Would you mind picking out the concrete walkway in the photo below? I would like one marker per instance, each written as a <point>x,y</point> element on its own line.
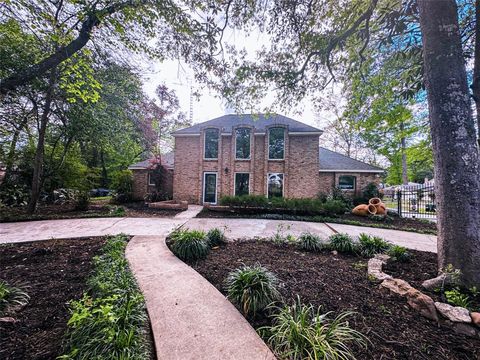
<point>190,318</point>
<point>234,229</point>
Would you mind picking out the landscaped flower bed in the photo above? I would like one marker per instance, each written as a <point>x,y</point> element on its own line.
<point>110,316</point>
<point>338,282</point>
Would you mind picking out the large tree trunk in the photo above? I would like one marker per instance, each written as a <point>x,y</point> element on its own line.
<point>456,158</point>
<point>476,67</point>
<point>39,154</point>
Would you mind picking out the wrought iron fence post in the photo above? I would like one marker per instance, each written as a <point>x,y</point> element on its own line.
<point>399,202</point>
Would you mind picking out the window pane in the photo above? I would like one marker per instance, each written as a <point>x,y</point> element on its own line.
<point>242,181</point>
<point>211,143</point>
<point>275,185</point>
<point>346,182</point>
<point>242,145</point>
<point>276,143</point>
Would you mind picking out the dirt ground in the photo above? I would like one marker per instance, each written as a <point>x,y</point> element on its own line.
<point>52,272</point>
<point>339,283</point>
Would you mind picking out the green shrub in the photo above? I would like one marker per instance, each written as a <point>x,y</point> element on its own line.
<point>311,242</point>
<point>457,298</point>
<point>82,201</point>
<point>216,237</point>
<point>399,253</point>
<point>190,245</point>
<point>334,207</point>
<point>341,195</point>
<point>110,320</point>
<point>123,185</point>
<point>371,191</point>
<point>244,201</point>
<point>369,245</point>
<point>11,296</point>
<point>341,243</point>
<point>14,195</point>
<point>252,288</point>
<point>302,332</point>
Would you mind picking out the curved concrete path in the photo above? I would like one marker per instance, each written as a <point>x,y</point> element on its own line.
<point>190,318</point>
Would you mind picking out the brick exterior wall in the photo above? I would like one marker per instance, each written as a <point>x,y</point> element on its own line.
<point>141,186</point>
<point>329,179</point>
<point>300,167</point>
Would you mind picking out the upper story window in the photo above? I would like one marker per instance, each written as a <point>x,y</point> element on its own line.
<point>211,144</point>
<point>346,182</point>
<point>276,143</point>
<point>242,143</point>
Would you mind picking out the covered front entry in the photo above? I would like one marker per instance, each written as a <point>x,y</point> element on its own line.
<point>210,187</point>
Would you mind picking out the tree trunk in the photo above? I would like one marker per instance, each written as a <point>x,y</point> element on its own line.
<point>476,67</point>
<point>38,162</point>
<point>456,158</point>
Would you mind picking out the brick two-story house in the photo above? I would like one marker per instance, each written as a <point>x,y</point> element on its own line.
<point>269,155</point>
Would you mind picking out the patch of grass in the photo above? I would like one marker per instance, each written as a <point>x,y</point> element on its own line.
<point>369,245</point>
<point>300,331</point>
<point>252,288</point>
<point>341,242</point>
<point>11,297</point>
<point>110,320</point>
<point>216,237</point>
<point>189,245</point>
<point>311,242</point>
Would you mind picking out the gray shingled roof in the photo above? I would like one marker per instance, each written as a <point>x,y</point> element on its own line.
<point>333,161</point>
<point>258,121</point>
<point>167,160</point>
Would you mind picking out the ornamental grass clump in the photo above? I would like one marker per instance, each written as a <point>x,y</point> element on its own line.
<point>252,288</point>
<point>11,297</point>
<point>300,331</point>
<point>311,242</point>
<point>190,245</point>
<point>341,242</point>
<point>216,237</point>
<point>369,245</point>
<point>399,253</point>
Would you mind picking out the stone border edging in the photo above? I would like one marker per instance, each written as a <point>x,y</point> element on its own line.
<point>461,320</point>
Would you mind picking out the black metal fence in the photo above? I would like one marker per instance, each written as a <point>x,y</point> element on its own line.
<point>417,201</point>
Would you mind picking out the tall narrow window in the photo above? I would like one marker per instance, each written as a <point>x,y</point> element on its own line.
<point>211,144</point>
<point>275,185</point>
<point>346,182</point>
<point>242,143</point>
<point>242,184</point>
<point>276,143</point>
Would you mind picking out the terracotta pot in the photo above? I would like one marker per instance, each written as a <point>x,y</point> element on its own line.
<point>381,208</point>
<point>364,210</point>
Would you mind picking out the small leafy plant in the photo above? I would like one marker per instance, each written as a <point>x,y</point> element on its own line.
<point>190,245</point>
<point>399,253</point>
<point>311,242</point>
<point>300,331</point>
<point>369,245</point>
<point>11,296</point>
<point>341,243</point>
<point>457,298</point>
<point>280,238</point>
<point>252,288</point>
<point>216,237</point>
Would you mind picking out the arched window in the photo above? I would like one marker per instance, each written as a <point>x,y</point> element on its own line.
<point>276,143</point>
<point>211,144</point>
<point>242,143</point>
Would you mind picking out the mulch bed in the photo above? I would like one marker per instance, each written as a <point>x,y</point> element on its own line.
<point>68,211</point>
<point>424,268</point>
<point>395,222</point>
<point>52,272</point>
<point>339,283</point>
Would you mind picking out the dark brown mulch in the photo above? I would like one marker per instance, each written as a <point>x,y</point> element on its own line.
<point>339,283</point>
<point>424,267</point>
<point>393,222</point>
<point>96,209</point>
<point>52,272</point>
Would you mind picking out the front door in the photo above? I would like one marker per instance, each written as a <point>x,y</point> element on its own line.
<point>210,188</point>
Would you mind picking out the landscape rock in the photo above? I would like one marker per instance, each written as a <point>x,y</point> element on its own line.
<point>438,282</point>
<point>8,319</point>
<point>454,313</point>
<point>383,257</point>
<point>465,329</point>
<point>422,303</point>
<point>397,286</point>
<point>375,269</point>
<point>475,318</point>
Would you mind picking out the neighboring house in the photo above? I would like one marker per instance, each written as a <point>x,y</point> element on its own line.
<point>269,155</point>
